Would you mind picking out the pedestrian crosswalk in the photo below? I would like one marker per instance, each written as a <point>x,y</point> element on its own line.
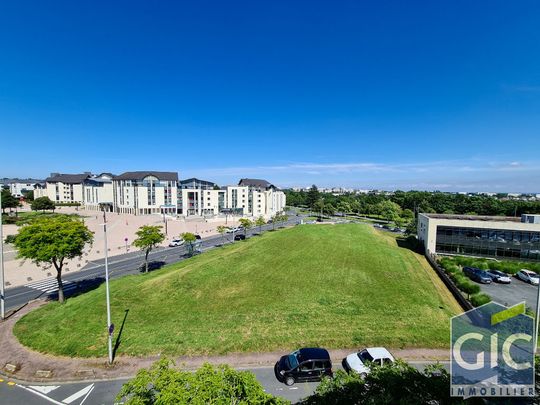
<point>50,285</point>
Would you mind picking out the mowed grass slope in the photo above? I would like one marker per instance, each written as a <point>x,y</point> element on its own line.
<point>314,285</point>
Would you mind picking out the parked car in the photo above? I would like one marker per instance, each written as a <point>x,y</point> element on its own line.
<point>240,236</point>
<point>197,236</point>
<point>362,361</point>
<point>307,364</point>
<point>528,276</point>
<point>478,275</point>
<point>176,242</point>
<point>499,276</point>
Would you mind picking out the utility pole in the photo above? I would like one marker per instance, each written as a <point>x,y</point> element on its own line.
<point>2,285</point>
<point>110,326</point>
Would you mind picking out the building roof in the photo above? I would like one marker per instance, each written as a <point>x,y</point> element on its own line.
<point>473,217</point>
<point>196,180</point>
<point>140,175</point>
<point>67,178</point>
<point>258,183</point>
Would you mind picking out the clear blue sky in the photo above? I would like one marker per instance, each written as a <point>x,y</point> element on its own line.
<point>403,94</point>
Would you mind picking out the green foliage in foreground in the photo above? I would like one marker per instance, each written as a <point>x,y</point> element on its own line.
<point>393,384</point>
<point>311,285</point>
<point>163,384</point>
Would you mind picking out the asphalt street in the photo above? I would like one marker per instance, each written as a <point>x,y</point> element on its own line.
<point>93,274</point>
<point>104,392</point>
<point>510,294</point>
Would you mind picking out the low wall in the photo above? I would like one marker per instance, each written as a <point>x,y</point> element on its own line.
<point>466,305</point>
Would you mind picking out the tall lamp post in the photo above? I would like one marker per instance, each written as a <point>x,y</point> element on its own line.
<point>2,286</point>
<point>110,326</point>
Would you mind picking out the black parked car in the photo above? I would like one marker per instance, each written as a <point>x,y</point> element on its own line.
<point>308,364</point>
<point>239,237</point>
<point>478,275</point>
<point>197,236</point>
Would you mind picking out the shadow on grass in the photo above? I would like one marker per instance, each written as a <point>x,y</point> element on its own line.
<point>81,287</point>
<point>118,338</point>
<point>153,265</point>
<point>410,243</point>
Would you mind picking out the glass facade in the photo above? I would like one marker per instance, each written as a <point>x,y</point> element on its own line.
<point>498,243</point>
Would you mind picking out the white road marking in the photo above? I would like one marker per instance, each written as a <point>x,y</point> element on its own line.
<point>89,392</point>
<point>44,389</point>
<point>39,394</point>
<point>78,394</point>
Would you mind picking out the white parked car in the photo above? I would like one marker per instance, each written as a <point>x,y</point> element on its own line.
<point>528,276</point>
<point>176,242</point>
<point>360,362</point>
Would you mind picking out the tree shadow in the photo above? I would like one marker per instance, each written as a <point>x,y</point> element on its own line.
<point>118,338</point>
<point>153,265</point>
<point>73,289</point>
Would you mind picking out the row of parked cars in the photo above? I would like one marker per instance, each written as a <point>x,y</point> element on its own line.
<point>489,276</point>
<point>312,364</point>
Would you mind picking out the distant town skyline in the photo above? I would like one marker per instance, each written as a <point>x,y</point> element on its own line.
<point>432,96</point>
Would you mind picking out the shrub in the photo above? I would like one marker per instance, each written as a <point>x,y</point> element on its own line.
<point>479,299</point>
<point>217,385</point>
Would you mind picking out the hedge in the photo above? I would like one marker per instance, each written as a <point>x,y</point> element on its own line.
<point>479,299</point>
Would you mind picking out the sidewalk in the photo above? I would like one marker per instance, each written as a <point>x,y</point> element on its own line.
<point>32,366</point>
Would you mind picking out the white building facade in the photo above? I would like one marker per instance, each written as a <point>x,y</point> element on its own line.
<point>143,193</point>
<point>494,237</point>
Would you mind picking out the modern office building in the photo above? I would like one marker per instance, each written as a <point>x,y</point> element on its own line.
<point>494,237</point>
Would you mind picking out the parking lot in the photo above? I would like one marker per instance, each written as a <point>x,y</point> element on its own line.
<point>513,293</point>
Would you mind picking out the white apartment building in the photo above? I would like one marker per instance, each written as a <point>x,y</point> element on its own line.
<point>18,187</point>
<point>145,192</point>
<point>151,192</point>
<point>251,197</point>
<point>64,188</point>
<point>98,192</point>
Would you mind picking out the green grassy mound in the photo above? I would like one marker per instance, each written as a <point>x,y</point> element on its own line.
<point>313,285</point>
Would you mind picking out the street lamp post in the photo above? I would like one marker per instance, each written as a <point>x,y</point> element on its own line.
<point>110,326</point>
<point>2,287</point>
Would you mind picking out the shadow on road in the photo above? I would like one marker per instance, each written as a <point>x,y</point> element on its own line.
<point>153,265</point>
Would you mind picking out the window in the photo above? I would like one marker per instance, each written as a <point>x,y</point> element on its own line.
<point>307,366</point>
<point>319,365</point>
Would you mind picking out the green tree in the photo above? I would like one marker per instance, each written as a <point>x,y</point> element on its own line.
<point>8,201</point>
<point>319,206</point>
<point>28,195</point>
<point>165,384</point>
<point>42,204</point>
<point>246,223</point>
<point>222,230</point>
<point>190,239</point>
<point>53,240</point>
<point>389,210</point>
<point>148,237</point>
<point>399,383</point>
<point>260,222</point>
<point>312,196</point>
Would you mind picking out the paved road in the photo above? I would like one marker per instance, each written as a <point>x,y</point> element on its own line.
<point>92,275</point>
<point>104,392</point>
